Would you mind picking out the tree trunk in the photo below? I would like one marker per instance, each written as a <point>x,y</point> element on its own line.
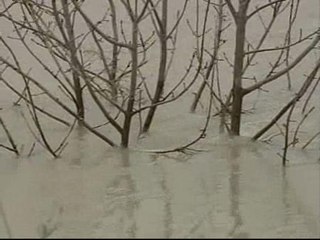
<point>237,93</point>
<point>114,63</point>
<point>162,67</point>
<point>134,57</point>
<point>79,96</point>
<point>74,61</point>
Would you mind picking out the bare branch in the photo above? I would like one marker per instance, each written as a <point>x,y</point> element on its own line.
<point>285,70</point>
<point>310,140</point>
<point>281,48</point>
<point>301,92</point>
<point>231,8</point>
<point>264,6</point>
<point>56,100</point>
<point>13,145</point>
<point>95,28</point>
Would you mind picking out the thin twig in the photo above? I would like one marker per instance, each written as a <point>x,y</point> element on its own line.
<point>311,139</point>
<point>13,144</point>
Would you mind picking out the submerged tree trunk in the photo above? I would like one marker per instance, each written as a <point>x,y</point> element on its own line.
<point>79,97</point>
<point>134,58</point>
<point>237,93</point>
<point>162,66</point>
<point>73,52</point>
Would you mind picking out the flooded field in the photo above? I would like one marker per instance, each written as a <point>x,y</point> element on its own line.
<point>225,188</point>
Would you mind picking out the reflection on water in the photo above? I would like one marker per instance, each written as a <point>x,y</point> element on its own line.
<point>234,191</point>
<point>120,202</point>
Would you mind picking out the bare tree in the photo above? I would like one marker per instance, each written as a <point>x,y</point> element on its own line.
<point>52,26</point>
<point>241,17</point>
<point>115,79</point>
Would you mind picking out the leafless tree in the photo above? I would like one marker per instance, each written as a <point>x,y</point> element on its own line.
<point>113,78</point>
<point>241,18</point>
<point>54,27</point>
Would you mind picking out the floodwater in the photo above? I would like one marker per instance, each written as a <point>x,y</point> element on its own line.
<point>232,188</point>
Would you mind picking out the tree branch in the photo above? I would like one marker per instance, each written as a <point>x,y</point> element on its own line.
<point>231,8</point>
<point>285,70</point>
<point>262,7</point>
<point>95,28</point>
<point>301,92</point>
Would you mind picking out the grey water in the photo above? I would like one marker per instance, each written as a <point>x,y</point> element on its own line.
<point>232,188</point>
